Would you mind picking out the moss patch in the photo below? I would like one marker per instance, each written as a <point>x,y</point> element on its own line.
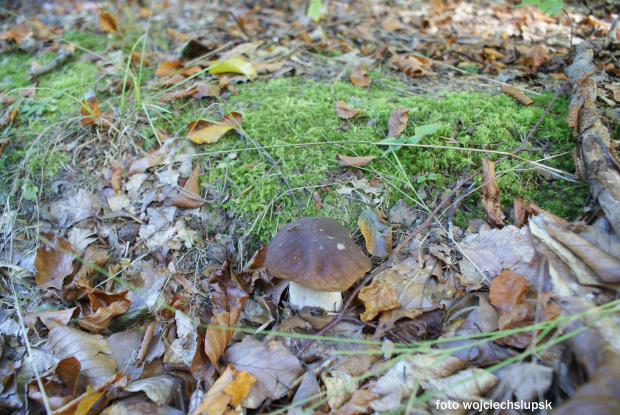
<point>284,114</point>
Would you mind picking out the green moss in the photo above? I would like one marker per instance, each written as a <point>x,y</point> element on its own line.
<point>287,116</point>
<point>13,66</point>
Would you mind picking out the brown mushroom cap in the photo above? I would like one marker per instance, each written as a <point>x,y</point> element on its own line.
<point>317,253</point>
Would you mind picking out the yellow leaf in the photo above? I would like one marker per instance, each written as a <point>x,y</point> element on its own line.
<point>234,65</point>
<point>202,131</point>
<point>108,22</point>
<point>209,134</point>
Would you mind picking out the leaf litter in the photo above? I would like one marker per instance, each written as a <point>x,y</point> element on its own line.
<point>136,313</point>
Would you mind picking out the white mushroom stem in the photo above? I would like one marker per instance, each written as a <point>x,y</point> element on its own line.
<point>301,297</point>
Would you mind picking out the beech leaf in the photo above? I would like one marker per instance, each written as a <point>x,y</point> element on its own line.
<point>377,233</point>
<point>398,121</point>
<point>343,110</point>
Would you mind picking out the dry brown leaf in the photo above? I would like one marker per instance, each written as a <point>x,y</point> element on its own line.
<point>190,195</point>
<point>273,366</point>
<point>490,194</point>
<point>399,117</point>
<point>535,57</point>
<point>413,66</point>
<point>203,131</point>
<point>59,384</point>
<point>108,22</point>
<point>492,54</point>
<point>90,111</point>
<point>114,176</point>
<point>359,76</point>
<point>104,306</point>
<point>51,318</point>
<point>343,110</point>
<point>196,90</point>
<point>507,294</point>
<point>513,92</point>
<point>228,301</point>
<point>7,117</point>
<point>560,76</point>
<point>54,261</point>
<point>377,233</point>
<point>520,212</point>
<point>229,390</point>
<point>353,161</point>
<point>508,290</point>
<point>377,297</point>
<point>91,350</point>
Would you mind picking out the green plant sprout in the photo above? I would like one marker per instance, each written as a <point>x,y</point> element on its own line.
<point>420,132</point>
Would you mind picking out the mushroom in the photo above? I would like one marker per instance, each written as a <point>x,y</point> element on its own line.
<point>319,258</point>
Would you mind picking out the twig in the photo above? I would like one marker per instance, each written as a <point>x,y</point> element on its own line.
<point>340,316</point>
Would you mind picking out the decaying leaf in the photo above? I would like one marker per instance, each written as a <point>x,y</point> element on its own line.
<point>377,233</point>
<point>51,318</point>
<point>274,367</point>
<point>59,384</point>
<point>343,110</point>
<point>513,92</point>
<point>190,195</point>
<point>54,261</point>
<point>108,22</point>
<point>413,66</point>
<point>229,390</point>
<point>168,68</point>
<point>90,111</point>
<point>234,65</point>
<point>91,350</point>
<point>203,131</point>
<point>403,378</point>
<point>535,57</point>
<point>353,161</point>
<point>490,194</point>
<point>228,301</point>
<point>508,295</point>
<point>397,121</point>
<point>192,89</point>
<point>104,306</point>
<point>377,297</point>
<point>359,76</point>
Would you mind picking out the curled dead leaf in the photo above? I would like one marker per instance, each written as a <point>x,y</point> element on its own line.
<point>377,297</point>
<point>104,306</point>
<point>54,261</point>
<point>399,117</point>
<point>491,195</point>
<point>108,22</point>
<point>413,66</point>
<point>343,110</point>
<point>508,295</point>
<point>353,161</point>
<point>513,92</point>
<point>203,131</point>
<point>89,110</point>
<point>190,195</point>
<point>377,233</point>
<point>59,384</point>
<point>359,76</point>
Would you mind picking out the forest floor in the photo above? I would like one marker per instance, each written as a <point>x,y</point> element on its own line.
<point>150,152</point>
